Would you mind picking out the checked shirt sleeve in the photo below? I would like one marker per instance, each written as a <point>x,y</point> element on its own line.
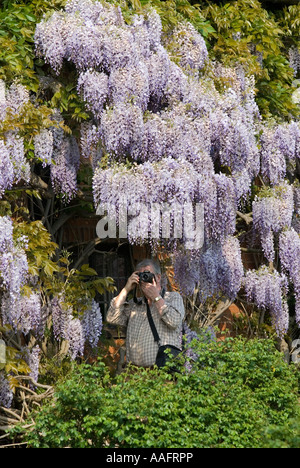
<point>173,311</point>
<point>118,315</point>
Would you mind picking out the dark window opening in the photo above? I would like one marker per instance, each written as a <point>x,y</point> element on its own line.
<point>115,265</point>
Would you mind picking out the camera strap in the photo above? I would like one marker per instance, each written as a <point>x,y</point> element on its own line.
<point>151,321</point>
<point>152,325</point>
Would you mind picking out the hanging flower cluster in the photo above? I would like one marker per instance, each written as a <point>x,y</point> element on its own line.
<point>294,57</point>
<point>77,331</point>
<point>89,141</point>
<point>92,324</point>
<point>6,394</point>
<point>66,159</point>
<point>43,146</point>
<point>217,272</point>
<point>280,149</point>
<point>22,312</point>
<point>267,289</point>
<point>289,252</point>
<point>190,48</point>
<point>32,358</point>
<point>13,164</point>
<point>271,214</point>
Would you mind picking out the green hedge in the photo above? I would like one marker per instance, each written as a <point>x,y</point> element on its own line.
<point>239,394</point>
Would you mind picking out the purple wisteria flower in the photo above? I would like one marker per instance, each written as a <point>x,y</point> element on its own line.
<point>6,394</point>
<point>273,163</point>
<point>14,270</point>
<point>32,357</point>
<point>289,253</point>
<point>74,330</point>
<point>190,47</point>
<point>66,158</point>
<point>294,58</point>
<point>267,289</point>
<point>94,87</point>
<point>92,324</point>
<point>23,312</point>
<point>49,40</point>
<point>122,129</point>
<point>6,169</point>
<point>216,271</point>
<point>61,315</point>
<point>75,336</point>
<point>271,214</point>
<point>43,146</point>
<point>6,234</point>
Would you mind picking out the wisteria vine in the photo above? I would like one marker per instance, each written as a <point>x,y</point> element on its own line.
<point>165,131</point>
<point>23,308</point>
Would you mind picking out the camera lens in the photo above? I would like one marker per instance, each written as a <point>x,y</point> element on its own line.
<point>146,277</point>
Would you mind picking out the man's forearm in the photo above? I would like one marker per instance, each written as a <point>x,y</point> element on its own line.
<point>116,314</point>
<point>160,306</point>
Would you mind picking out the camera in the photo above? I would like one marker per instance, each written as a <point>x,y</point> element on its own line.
<point>146,277</point>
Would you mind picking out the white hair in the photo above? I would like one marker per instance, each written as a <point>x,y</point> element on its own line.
<point>150,262</point>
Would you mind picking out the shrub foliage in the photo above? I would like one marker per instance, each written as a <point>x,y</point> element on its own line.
<point>239,394</point>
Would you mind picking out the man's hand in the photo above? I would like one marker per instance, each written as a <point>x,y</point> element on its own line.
<point>133,280</point>
<point>150,290</point>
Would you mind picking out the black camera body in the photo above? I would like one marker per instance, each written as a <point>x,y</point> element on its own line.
<point>146,276</point>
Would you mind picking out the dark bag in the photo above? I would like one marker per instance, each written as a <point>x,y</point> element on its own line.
<point>162,357</point>
<point>164,354</point>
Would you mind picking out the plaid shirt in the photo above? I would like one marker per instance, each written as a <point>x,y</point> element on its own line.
<point>141,349</point>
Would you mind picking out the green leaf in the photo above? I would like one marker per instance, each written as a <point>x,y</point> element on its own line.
<point>86,270</point>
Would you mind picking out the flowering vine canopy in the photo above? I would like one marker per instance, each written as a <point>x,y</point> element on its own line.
<point>164,124</point>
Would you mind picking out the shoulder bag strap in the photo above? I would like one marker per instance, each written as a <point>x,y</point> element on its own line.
<point>151,322</point>
<point>152,325</point>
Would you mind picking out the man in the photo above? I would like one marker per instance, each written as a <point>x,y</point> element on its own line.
<point>167,312</point>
